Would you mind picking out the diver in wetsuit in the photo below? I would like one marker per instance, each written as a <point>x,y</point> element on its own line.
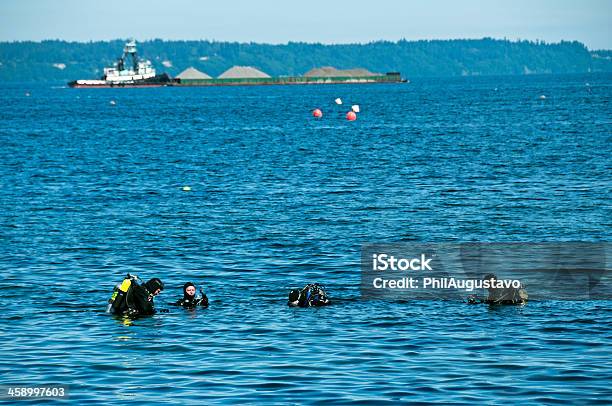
<point>189,300</point>
<point>506,296</point>
<point>132,299</point>
<point>311,295</point>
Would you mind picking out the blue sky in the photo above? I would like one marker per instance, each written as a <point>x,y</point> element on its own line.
<point>588,21</point>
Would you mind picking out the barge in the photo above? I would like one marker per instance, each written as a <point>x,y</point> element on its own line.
<point>391,77</point>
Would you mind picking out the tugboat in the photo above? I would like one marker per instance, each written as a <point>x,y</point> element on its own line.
<point>139,74</point>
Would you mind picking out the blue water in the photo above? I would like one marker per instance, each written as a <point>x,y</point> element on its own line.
<point>91,191</point>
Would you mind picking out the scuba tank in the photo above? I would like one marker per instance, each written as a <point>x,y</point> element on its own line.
<point>119,293</point>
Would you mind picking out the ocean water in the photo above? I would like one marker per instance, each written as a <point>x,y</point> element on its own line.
<point>91,191</point>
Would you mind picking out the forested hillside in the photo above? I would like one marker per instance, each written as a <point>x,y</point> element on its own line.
<point>60,61</point>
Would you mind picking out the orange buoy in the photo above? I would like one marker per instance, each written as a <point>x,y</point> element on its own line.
<point>351,116</point>
<point>317,113</point>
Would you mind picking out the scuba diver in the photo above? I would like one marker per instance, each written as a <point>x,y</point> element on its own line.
<point>311,295</point>
<point>506,296</point>
<point>189,300</point>
<point>133,299</point>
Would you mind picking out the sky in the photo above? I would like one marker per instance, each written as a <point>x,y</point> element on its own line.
<point>276,21</point>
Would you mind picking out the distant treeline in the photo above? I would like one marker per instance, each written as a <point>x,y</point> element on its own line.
<point>61,61</point>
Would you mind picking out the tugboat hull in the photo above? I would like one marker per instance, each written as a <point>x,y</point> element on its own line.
<point>156,81</point>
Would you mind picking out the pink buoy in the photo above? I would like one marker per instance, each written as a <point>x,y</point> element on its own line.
<point>351,116</point>
<point>317,113</point>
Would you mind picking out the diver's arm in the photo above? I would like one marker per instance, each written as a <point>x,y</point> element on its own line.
<point>141,302</point>
<point>148,307</point>
<point>177,303</point>
<point>203,300</point>
<point>117,307</point>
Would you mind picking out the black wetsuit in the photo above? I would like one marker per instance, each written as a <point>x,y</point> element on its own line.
<point>137,301</point>
<point>311,295</point>
<point>507,296</point>
<point>190,302</point>
<point>503,296</point>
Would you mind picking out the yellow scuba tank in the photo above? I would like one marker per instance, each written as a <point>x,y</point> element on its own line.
<point>119,293</point>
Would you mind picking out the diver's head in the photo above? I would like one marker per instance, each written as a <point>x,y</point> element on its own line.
<point>189,290</point>
<point>294,297</point>
<point>155,286</point>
